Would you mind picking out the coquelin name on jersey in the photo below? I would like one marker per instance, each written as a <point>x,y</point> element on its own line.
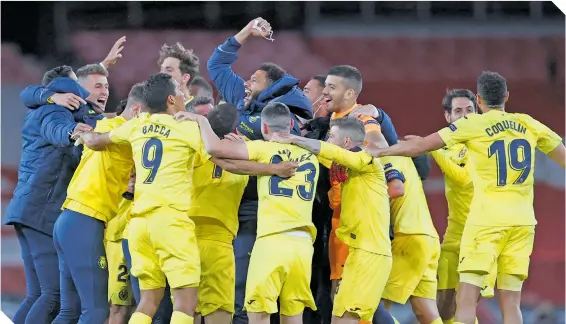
<point>505,125</point>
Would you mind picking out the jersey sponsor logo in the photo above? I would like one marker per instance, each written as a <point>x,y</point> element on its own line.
<point>102,263</point>
<point>452,127</point>
<point>462,153</point>
<point>253,119</point>
<point>387,166</point>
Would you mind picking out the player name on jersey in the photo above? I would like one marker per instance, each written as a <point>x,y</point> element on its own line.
<point>506,125</point>
<point>157,129</point>
<point>304,157</point>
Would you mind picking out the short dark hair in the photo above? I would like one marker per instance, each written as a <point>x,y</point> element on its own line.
<point>321,79</point>
<point>223,119</point>
<point>156,90</point>
<point>121,106</point>
<point>492,88</point>
<point>136,93</point>
<point>89,69</point>
<point>58,72</point>
<point>276,116</point>
<point>352,127</point>
<point>352,76</point>
<point>458,93</point>
<point>206,88</point>
<point>134,96</point>
<point>199,101</point>
<point>188,62</point>
<point>201,82</point>
<point>274,72</point>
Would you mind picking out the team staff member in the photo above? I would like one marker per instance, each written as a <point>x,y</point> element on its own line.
<point>46,167</point>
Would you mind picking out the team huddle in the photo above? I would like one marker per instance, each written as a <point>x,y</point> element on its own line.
<point>156,199</point>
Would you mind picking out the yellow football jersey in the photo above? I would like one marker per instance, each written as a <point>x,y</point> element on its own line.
<point>364,219</point>
<point>502,147</point>
<point>284,204</point>
<point>101,177</point>
<point>163,151</point>
<point>458,186</point>
<point>115,227</point>
<point>409,213</point>
<point>216,193</point>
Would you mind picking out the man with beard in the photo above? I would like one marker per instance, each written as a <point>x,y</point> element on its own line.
<point>269,83</point>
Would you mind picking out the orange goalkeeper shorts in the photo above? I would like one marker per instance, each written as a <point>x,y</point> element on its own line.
<point>337,250</point>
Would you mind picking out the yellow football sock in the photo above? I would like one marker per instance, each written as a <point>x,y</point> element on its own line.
<point>437,321</point>
<point>181,318</point>
<point>139,318</point>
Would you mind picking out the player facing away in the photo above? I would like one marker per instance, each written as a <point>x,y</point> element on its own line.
<point>416,247</point>
<point>455,164</point>
<point>218,186</point>
<point>501,224</point>
<point>92,201</point>
<point>161,236</point>
<point>280,263</point>
<point>364,221</point>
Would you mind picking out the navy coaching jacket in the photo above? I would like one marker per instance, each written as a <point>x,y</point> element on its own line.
<point>231,86</point>
<point>48,161</point>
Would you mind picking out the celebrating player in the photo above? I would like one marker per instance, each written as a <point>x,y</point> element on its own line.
<point>455,164</point>
<point>92,200</point>
<point>364,221</point>
<point>501,224</point>
<point>280,264</point>
<point>217,221</point>
<point>181,64</point>
<point>162,151</point>
<point>416,247</point>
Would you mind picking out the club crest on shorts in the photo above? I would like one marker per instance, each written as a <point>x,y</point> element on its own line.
<point>462,153</point>
<point>102,263</point>
<point>123,294</point>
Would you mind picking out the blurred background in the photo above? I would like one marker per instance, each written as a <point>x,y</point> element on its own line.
<point>408,52</point>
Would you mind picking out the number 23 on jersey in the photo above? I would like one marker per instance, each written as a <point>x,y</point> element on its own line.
<point>304,191</point>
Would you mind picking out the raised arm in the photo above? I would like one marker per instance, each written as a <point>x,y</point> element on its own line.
<point>450,169</point>
<point>284,169</point>
<point>219,65</point>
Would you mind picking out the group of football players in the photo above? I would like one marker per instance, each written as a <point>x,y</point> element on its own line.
<point>233,212</point>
